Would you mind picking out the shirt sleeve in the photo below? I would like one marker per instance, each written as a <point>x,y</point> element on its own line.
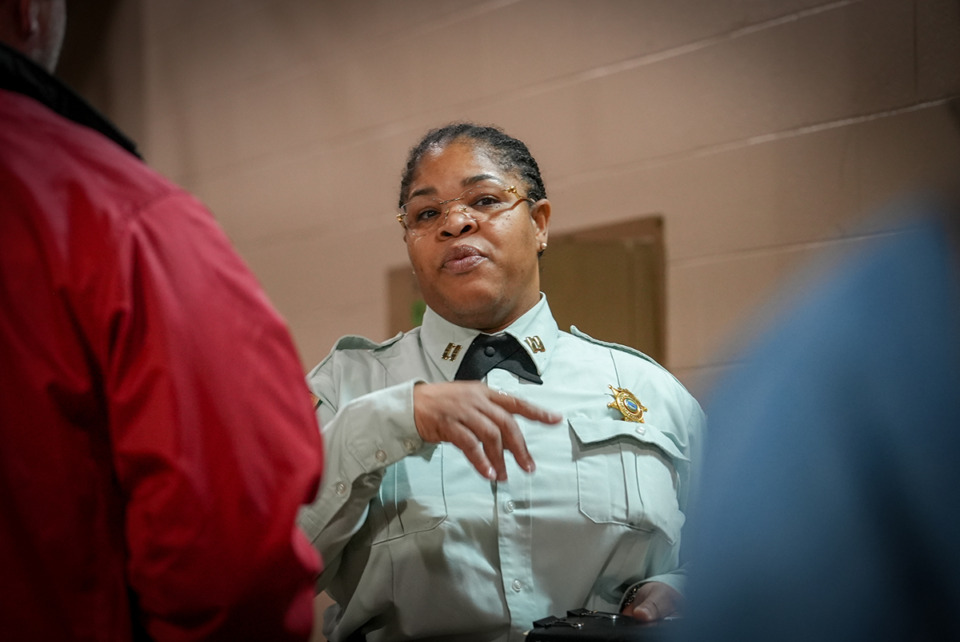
<point>361,439</point>
<point>694,428</point>
<point>214,441</point>
<point>686,423</point>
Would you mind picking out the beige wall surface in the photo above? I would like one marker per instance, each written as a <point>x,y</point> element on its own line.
<point>761,130</point>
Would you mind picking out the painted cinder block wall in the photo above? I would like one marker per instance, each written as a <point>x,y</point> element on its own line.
<point>761,130</point>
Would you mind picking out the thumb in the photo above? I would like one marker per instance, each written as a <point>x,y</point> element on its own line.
<point>644,613</point>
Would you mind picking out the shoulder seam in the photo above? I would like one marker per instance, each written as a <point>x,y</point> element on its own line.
<point>357,342</point>
<point>575,331</point>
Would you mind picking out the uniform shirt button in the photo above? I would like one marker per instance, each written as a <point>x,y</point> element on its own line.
<point>381,456</point>
<point>409,445</point>
<point>509,506</point>
<point>341,488</point>
<point>489,351</point>
<point>516,585</point>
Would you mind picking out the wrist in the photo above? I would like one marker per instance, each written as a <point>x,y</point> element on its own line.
<point>630,596</point>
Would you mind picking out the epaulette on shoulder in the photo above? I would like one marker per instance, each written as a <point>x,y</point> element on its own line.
<point>613,346</point>
<point>355,342</point>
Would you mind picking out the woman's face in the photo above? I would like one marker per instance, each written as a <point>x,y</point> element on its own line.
<point>475,272</point>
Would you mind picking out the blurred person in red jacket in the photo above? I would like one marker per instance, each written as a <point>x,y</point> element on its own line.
<point>156,433</point>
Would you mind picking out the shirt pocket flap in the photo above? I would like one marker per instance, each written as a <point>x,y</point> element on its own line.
<point>597,431</point>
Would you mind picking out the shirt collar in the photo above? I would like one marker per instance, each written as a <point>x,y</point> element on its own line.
<point>446,343</point>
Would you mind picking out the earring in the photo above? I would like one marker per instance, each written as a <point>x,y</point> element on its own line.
<point>543,246</point>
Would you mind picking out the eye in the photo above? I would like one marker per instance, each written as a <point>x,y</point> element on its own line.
<point>425,215</point>
<point>486,202</point>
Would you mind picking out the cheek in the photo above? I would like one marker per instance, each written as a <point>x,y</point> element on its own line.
<point>522,238</point>
<point>418,253</point>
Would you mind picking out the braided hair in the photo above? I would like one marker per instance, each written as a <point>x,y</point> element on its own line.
<point>510,154</point>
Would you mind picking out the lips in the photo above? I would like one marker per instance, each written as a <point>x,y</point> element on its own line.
<point>462,258</point>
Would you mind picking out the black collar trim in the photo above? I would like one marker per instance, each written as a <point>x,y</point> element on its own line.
<point>23,76</point>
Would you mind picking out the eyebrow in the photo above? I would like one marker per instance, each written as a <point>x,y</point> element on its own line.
<point>467,182</point>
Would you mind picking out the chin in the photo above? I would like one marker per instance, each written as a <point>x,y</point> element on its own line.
<point>470,310</point>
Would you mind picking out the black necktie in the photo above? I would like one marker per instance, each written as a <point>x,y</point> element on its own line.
<point>497,351</point>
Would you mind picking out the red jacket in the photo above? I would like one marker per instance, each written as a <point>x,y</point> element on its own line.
<point>156,432</point>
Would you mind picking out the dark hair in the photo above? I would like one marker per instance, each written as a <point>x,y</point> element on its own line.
<point>510,154</point>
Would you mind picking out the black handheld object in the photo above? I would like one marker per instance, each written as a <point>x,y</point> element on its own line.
<point>597,626</point>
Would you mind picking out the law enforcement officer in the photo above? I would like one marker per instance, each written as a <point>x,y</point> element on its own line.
<point>587,509</point>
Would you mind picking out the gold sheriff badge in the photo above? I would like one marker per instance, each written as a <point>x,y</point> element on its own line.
<point>628,405</point>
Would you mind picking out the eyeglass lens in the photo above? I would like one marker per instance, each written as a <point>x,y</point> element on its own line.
<point>480,202</point>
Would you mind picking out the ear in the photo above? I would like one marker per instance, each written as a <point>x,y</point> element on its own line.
<point>540,213</point>
<point>28,17</point>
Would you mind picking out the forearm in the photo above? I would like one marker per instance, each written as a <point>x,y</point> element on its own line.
<point>361,439</point>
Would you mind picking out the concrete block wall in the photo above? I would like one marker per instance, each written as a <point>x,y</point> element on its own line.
<point>761,130</point>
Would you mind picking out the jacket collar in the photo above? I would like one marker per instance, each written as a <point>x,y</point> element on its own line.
<point>21,75</point>
<point>446,343</point>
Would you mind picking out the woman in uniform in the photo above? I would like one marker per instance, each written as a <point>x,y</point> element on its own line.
<point>487,469</point>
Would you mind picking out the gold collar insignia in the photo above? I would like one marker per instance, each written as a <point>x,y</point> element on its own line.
<point>451,352</point>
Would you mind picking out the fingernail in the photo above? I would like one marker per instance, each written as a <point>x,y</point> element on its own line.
<point>530,467</point>
<point>491,473</point>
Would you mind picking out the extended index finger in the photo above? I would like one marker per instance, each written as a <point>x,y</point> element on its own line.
<point>513,440</point>
<point>516,406</point>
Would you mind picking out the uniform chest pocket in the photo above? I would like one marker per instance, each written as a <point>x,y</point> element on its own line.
<point>411,498</point>
<point>627,474</point>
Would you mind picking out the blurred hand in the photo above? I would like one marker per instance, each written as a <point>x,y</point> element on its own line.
<point>479,421</point>
<point>654,601</point>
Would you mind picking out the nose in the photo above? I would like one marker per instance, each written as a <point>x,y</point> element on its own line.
<point>457,221</point>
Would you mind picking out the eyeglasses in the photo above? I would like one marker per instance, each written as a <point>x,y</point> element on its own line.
<point>423,214</point>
